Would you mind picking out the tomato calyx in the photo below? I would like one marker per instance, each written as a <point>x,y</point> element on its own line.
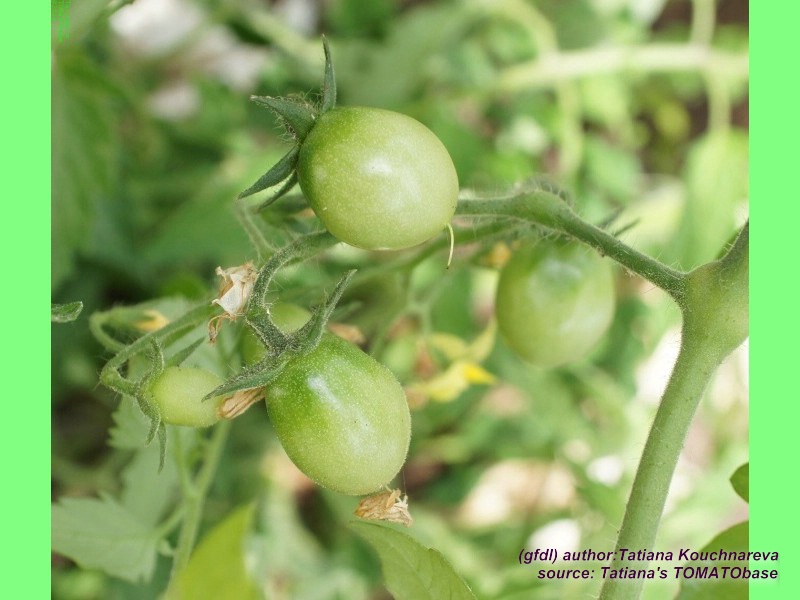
<point>281,347</point>
<point>298,117</point>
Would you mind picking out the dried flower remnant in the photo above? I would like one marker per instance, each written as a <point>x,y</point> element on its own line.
<point>234,293</point>
<point>385,506</point>
<point>239,402</point>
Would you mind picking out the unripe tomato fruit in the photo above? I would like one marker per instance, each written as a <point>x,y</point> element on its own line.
<point>555,300</point>
<point>377,179</point>
<point>341,416</point>
<point>178,392</point>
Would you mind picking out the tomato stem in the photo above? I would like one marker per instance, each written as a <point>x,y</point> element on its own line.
<point>690,376</point>
<point>194,495</point>
<point>544,205</point>
<point>110,375</point>
<point>713,300</point>
<point>715,322</point>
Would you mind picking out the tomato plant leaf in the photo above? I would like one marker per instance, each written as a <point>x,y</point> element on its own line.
<point>65,313</point>
<point>147,493</point>
<point>99,533</point>
<point>734,539</point>
<point>716,181</point>
<point>279,171</point>
<point>130,426</point>
<point>217,566</point>
<point>412,571</point>
<point>740,480</point>
<point>84,144</point>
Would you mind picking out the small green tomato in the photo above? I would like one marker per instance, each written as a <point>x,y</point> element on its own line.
<point>179,391</point>
<point>377,179</point>
<point>555,300</point>
<point>342,417</point>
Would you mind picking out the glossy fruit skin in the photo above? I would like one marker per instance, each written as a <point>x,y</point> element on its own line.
<point>377,179</point>
<point>178,393</point>
<point>342,417</point>
<point>555,301</point>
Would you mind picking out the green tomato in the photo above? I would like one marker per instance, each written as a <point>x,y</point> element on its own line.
<point>555,300</point>
<point>342,417</point>
<point>178,392</point>
<point>377,179</point>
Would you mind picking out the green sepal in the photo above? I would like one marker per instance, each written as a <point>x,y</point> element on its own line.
<point>290,183</point>
<point>176,359</point>
<point>329,83</point>
<point>145,401</point>
<point>65,313</point>
<point>307,337</point>
<point>297,116</point>
<point>255,376</point>
<point>280,171</point>
<point>162,446</point>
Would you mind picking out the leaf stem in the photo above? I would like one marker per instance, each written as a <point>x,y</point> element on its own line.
<point>713,300</point>
<point>546,207</point>
<point>653,58</point>
<point>195,499</point>
<point>110,375</point>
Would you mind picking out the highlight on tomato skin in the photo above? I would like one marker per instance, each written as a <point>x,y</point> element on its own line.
<point>554,302</point>
<point>377,179</point>
<point>342,417</point>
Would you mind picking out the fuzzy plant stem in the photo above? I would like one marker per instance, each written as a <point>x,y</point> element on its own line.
<point>713,300</point>
<point>194,495</point>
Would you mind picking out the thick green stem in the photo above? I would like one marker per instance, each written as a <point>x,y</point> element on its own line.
<point>715,322</point>
<point>195,496</point>
<point>546,208</point>
<point>691,375</point>
<point>713,299</point>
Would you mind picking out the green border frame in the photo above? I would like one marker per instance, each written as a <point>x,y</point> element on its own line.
<point>774,408</point>
<point>26,245</point>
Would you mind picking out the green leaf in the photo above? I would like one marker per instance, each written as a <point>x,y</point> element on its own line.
<point>716,179</point>
<point>84,149</point>
<point>65,313</point>
<point>734,539</point>
<point>412,571</point>
<point>147,492</point>
<point>130,426</point>
<point>99,533</point>
<point>217,567</point>
<point>740,480</point>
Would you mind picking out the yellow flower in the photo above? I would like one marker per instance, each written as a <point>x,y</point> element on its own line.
<point>464,368</point>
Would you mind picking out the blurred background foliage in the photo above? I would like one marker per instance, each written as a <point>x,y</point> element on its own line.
<point>639,107</point>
